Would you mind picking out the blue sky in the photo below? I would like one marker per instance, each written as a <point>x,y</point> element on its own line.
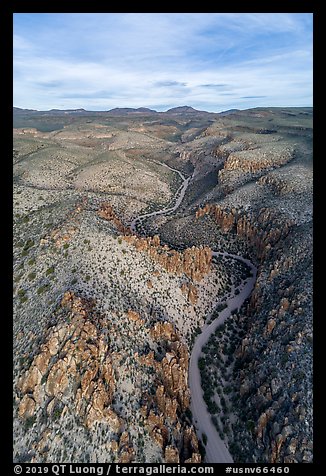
<point>214,61</point>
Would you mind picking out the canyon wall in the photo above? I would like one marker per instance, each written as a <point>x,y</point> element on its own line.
<point>273,365</point>
<point>194,262</point>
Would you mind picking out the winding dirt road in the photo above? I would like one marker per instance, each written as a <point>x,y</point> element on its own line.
<point>180,193</point>
<point>216,450</point>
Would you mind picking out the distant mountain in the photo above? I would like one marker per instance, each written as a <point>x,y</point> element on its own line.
<point>19,110</point>
<point>229,111</point>
<point>182,110</point>
<point>67,111</point>
<point>52,112</point>
<point>118,111</point>
<point>130,110</point>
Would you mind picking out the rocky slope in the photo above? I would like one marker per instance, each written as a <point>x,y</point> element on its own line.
<point>73,380</point>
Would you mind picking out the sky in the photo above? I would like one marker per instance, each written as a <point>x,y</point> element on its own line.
<point>210,61</point>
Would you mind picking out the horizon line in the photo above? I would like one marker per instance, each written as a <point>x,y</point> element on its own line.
<point>154,110</point>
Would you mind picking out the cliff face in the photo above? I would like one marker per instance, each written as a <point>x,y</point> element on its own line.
<point>224,218</point>
<point>194,262</point>
<point>257,160</point>
<point>262,230</point>
<point>245,156</point>
<point>281,187</point>
<point>173,370</point>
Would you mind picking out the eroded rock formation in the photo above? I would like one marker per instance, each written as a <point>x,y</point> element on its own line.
<point>73,367</point>
<point>134,317</point>
<point>106,211</point>
<point>261,231</point>
<point>173,370</point>
<point>163,330</point>
<point>277,334</point>
<point>258,159</point>
<point>194,262</point>
<point>172,397</point>
<point>171,455</point>
<point>69,227</point>
<point>190,291</point>
<point>223,218</point>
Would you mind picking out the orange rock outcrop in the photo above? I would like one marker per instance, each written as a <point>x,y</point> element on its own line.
<point>73,352</point>
<point>106,211</point>
<point>172,397</point>
<point>194,262</point>
<point>262,232</point>
<point>190,291</point>
<point>171,455</point>
<point>133,316</point>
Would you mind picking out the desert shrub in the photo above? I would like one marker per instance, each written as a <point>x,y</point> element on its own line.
<point>49,271</point>
<point>43,288</point>
<point>29,422</point>
<point>251,426</point>
<point>201,363</point>
<point>57,413</point>
<point>202,449</point>
<point>28,244</point>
